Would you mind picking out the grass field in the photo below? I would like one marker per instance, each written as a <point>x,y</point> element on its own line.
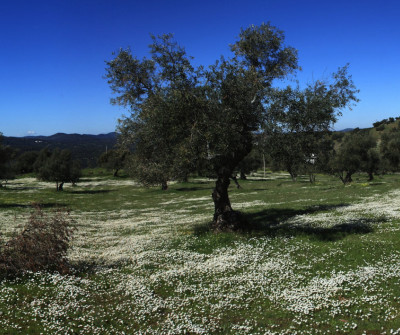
<point>320,259</point>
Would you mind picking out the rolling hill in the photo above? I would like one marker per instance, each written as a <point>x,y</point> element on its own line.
<point>85,148</point>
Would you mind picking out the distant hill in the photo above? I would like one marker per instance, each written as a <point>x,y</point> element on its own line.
<point>346,130</point>
<point>85,148</point>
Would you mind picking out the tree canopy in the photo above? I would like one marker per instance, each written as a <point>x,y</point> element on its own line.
<point>57,166</point>
<point>7,170</point>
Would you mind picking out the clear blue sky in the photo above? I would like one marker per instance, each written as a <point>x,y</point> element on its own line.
<point>52,53</point>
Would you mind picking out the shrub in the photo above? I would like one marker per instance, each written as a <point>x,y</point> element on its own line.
<point>41,245</point>
<point>380,127</point>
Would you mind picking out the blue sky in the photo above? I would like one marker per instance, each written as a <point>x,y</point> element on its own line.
<point>53,53</point>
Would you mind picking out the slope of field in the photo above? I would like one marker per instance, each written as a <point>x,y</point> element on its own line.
<point>320,259</point>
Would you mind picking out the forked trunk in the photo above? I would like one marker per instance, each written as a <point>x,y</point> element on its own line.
<point>225,218</point>
<point>347,179</point>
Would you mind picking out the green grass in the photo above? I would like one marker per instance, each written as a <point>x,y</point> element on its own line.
<point>318,258</point>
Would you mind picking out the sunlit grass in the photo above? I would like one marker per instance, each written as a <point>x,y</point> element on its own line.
<point>319,258</point>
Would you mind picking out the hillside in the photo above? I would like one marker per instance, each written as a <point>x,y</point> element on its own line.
<point>85,148</point>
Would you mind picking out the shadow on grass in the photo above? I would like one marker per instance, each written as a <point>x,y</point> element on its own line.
<point>188,189</point>
<point>272,222</point>
<point>34,205</point>
<point>89,191</point>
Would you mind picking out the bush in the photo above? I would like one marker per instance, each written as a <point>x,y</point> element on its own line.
<point>380,127</point>
<point>41,245</point>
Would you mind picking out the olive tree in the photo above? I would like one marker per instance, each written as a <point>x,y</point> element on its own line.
<point>7,169</point>
<point>299,120</point>
<point>57,166</point>
<point>183,117</point>
<point>357,152</point>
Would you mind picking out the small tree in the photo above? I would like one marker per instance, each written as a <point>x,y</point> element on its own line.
<point>7,169</point>
<point>113,160</point>
<point>250,163</point>
<point>299,120</point>
<point>356,153</point>
<point>57,167</point>
<point>25,161</point>
<point>390,150</point>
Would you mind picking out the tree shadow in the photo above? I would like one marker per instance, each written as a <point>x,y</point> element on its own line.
<point>188,189</point>
<point>89,191</point>
<point>34,205</point>
<point>272,222</point>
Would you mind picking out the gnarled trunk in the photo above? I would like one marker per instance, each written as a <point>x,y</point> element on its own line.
<point>225,218</point>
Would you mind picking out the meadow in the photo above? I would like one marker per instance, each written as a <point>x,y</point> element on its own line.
<point>319,258</point>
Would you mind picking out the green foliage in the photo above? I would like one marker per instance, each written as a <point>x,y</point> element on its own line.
<point>113,160</point>
<point>357,152</point>
<point>25,162</point>
<point>298,122</point>
<point>7,169</point>
<point>390,150</point>
<point>57,166</point>
<point>184,118</point>
<point>251,163</point>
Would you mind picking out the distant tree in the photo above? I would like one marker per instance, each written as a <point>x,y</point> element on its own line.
<point>57,167</point>
<point>7,170</point>
<point>390,150</point>
<point>25,161</point>
<point>356,153</point>
<point>372,164</point>
<point>299,120</point>
<point>113,160</point>
<point>252,162</point>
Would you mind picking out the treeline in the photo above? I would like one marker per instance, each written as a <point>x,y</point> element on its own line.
<point>56,165</point>
<point>84,148</point>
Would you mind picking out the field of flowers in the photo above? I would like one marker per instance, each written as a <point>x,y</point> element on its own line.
<point>320,258</point>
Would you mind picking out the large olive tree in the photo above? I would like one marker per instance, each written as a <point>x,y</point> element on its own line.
<point>182,117</point>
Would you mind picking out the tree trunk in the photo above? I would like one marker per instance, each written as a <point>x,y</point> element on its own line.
<point>347,179</point>
<point>312,178</point>
<point>264,164</point>
<point>242,175</point>
<point>370,176</point>
<point>60,187</point>
<point>116,173</point>
<point>225,218</point>
<point>235,180</point>
<point>164,186</point>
